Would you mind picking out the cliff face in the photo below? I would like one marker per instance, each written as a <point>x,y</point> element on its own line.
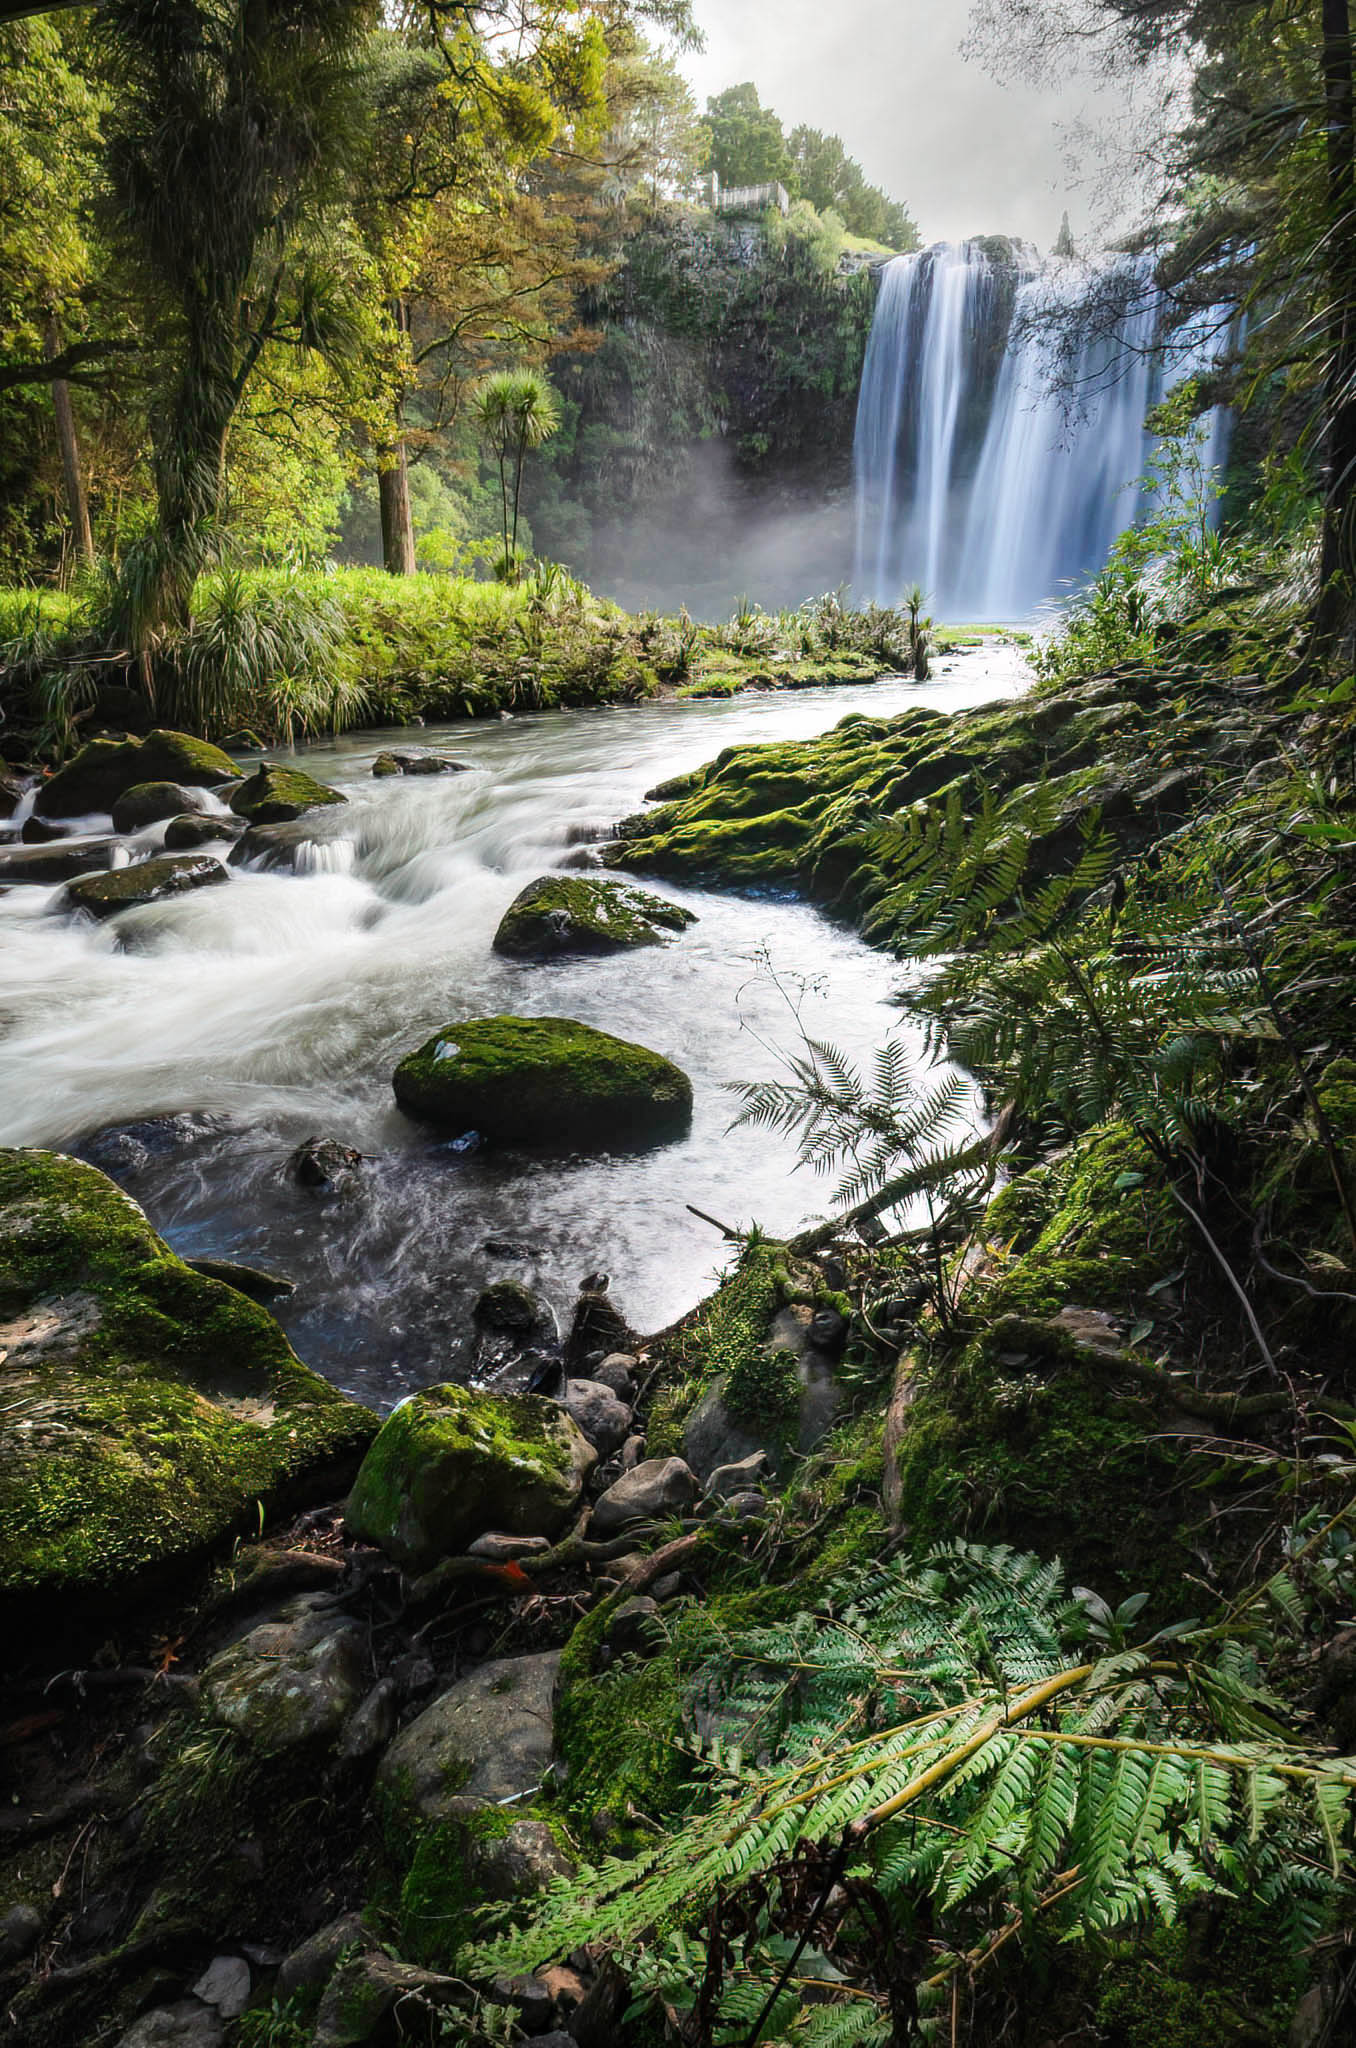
<point>708,442</point>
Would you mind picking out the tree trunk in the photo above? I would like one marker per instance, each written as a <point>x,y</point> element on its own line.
<point>397,522</point>
<point>76,503</point>
<point>1339,555</point>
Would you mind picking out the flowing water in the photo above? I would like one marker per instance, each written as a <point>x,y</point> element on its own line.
<point>989,470</point>
<point>189,1046</point>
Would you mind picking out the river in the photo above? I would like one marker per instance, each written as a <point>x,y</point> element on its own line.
<point>227,1026</point>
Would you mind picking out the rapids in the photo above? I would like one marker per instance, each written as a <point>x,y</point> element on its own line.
<point>226,1026</point>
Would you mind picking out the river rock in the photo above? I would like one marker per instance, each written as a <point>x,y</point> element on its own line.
<point>364,1994</point>
<point>144,1411</point>
<point>451,1463</point>
<point>255,1281</point>
<point>36,831</point>
<point>188,2024</point>
<point>508,1305</point>
<point>716,1436</point>
<point>147,881</point>
<point>570,914</point>
<point>20,1933</point>
<point>518,1864</point>
<point>294,1679</point>
<point>387,764</point>
<point>225,1985</point>
<point>617,1371</point>
<point>192,829</point>
<point>487,1738</point>
<point>45,866</point>
<point>497,1548</point>
<point>325,1166</point>
<point>604,1420</point>
<point>147,803</point>
<point>273,796</point>
<point>280,846</point>
<point>312,1963</point>
<point>651,1492</point>
<point>544,1081</point>
<point>104,769</point>
<point>748,1475</point>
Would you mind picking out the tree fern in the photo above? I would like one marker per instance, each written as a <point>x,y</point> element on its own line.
<point>953,1735</point>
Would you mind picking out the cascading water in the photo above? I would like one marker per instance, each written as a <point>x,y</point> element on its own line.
<point>987,473</point>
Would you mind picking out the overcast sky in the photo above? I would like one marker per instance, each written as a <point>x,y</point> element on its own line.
<point>966,154</point>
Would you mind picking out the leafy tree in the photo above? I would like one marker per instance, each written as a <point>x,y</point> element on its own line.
<point>517,410</point>
<point>831,180</point>
<point>748,146</point>
<point>232,124</point>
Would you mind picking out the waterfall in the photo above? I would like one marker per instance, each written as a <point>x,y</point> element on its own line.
<point>985,472</point>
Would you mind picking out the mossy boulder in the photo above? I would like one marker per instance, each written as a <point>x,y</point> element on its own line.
<point>575,914</point>
<point>147,803</point>
<point>544,1080</point>
<point>145,1411</point>
<point>452,1463</point>
<point>148,881</point>
<point>274,796</point>
<point>195,828</point>
<point>105,769</point>
<point>488,1737</point>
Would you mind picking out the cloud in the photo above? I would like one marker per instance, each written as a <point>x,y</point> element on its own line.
<point>968,154</point>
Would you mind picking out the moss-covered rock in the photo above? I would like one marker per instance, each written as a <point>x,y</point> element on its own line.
<point>147,881</point>
<point>146,803</point>
<point>194,829</point>
<point>147,1411</point>
<point>452,1463</point>
<point>489,1737</point>
<point>274,796</point>
<point>292,1680</point>
<point>544,1080</point>
<point>105,769</point>
<point>575,914</point>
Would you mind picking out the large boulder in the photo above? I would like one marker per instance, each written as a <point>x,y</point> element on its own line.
<point>544,1080</point>
<point>147,881</point>
<point>650,1492</point>
<point>104,769</point>
<point>575,914</point>
<point>294,1679</point>
<point>45,866</point>
<point>798,1404</point>
<point>145,1411</point>
<point>451,1463</point>
<point>274,796</point>
<point>195,829</point>
<point>147,803</point>
<point>489,1737</point>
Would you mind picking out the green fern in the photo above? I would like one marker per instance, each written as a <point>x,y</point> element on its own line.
<point>955,1735</point>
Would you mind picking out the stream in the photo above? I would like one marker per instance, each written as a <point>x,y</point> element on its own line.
<point>188,1047</point>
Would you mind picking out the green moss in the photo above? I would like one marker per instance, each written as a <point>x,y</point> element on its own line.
<point>763,1390</point>
<point>1110,1230</point>
<point>148,881</point>
<point>544,1080</point>
<point>453,1462</point>
<point>576,914</point>
<point>1225,1980</point>
<point>146,1408</point>
<point>439,1895</point>
<point>725,1337</point>
<point>274,795</point>
<point>104,769</point>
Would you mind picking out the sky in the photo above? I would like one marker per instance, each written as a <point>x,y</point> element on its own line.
<point>966,154</point>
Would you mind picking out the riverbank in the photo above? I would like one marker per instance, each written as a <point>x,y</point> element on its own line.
<point>291,656</point>
<point>1116,1334</point>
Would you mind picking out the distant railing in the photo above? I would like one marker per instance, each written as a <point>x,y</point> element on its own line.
<point>742,198</point>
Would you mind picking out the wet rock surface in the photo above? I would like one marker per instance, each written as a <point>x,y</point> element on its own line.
<point>147,881</point>
<point>274,796</point>
<point>543,1081</point>
<point>561,914</point>
<point>489,1737</point>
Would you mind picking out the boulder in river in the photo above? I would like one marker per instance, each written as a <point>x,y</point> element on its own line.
<point>103,769</point>
<point>544,1080</point>
<point>147,803</point>
<point>45,866</point>
<point>452,1463</point>
<point>148,881</point>
<point>195,829</point>
<point>144,1411</point>
<point>388,764</point>
<point>274,796</point>
<point>575,914</point>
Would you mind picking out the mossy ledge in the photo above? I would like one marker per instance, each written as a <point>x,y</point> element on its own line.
<point>148,1411</point>
<point>544,1081</point>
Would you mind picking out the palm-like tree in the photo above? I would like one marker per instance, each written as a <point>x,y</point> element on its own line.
<point>517,410</point>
